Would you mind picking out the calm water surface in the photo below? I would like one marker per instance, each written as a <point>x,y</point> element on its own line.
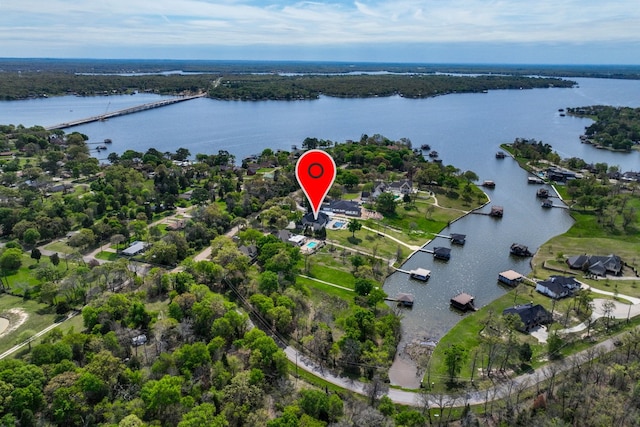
<point>466,129</point>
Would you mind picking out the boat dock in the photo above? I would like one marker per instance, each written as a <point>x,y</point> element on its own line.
<point>402,299</point>
<point>125,111</point>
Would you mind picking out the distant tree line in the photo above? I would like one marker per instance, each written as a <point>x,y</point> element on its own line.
<point>256,87</point>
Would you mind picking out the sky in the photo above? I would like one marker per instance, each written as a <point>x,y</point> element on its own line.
<point>416,31</point>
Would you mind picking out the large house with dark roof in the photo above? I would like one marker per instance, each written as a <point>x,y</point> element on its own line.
<point>597,265</point>
<point>558,286</point>
<point>531,315</point>
<point>315,224</point>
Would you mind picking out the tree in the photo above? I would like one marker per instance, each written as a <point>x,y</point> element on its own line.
<point>11,259</point>
<point>363,286</point>
<point>386,203</point>
<point>203,415</point>
<point>31,236</point>
<point>36,254</point>
<point>54,258</point>
<point>455,357</point>
<point>353,226</point>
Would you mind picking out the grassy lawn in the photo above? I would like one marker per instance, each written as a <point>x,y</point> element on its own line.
<point>39,317</point>
<point>312,284</point>
<point>368,241</point>
<point>24,275</point>
<point>107,255</point>
<point>467,334</point>
<point>329,266</point>
<point>59,246</point>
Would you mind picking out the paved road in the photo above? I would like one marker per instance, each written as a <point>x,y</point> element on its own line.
<point>474,397</point>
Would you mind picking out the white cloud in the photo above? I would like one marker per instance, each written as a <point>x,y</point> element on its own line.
<point>31,27</point>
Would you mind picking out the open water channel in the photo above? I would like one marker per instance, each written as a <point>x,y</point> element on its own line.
<point>466,129</point>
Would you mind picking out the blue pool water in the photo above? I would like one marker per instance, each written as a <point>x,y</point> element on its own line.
<point>311,245</point>
<point>338,224</point>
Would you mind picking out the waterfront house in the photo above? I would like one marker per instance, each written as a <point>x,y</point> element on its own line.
<point>557,287</point>
<point>401,187</point>
<point>596,265</point>
<point>315,224</point>
<point>531,315</point>
<point>397,188</point>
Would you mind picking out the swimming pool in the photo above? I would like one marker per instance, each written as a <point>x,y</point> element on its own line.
<point>312,245</point>
<point>338,224</point>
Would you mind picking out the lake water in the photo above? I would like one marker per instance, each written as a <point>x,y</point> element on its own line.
<point>466,129</point>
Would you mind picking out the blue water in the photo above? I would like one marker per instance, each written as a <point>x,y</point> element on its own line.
<point>466,130</point>
<point>311,245</point>
<point>338,224</point>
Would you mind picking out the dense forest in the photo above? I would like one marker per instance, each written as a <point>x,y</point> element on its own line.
<point>252,87</point>
<point>615,127</point>
<point>413,86</point>
<point>161,346</point>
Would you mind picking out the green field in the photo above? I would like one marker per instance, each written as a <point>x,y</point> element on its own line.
<point>39,317</point>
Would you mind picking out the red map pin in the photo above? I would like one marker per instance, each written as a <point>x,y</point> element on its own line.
<point>315,172</point>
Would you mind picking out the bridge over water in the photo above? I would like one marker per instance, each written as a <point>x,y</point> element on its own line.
<point>125,111</point>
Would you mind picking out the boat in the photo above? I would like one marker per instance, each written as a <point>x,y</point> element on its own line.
<point>463,301</point>
<point>543,193</point>
<point>500,155</point>
<point>425,147</point>
<point>433,154</point>
<point>107,141</point>
<point>420,274</point>
<point>520,250</point>
<point>496,211</point>
<point>489,184</point>
<point>547,204</point>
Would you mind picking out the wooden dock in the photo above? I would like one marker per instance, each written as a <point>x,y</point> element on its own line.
<point>124,111</point>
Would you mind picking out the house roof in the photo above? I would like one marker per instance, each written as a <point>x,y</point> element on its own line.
<point>511,275</point>
<point>322,220</point>
<point>529,313</point>
<point>597,264</point>
<point>135,248</point>
<point>339,205</point>
<point>284,235</point>
<point>442,251</point>
<point>458,237</point>
<point>423,272</point>
<point>555,287</point>
<point>463,298</point>
<point>405,297</point>
<point>569,281</point>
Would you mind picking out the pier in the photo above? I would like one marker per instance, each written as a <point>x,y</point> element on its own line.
<point>125,111</point>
